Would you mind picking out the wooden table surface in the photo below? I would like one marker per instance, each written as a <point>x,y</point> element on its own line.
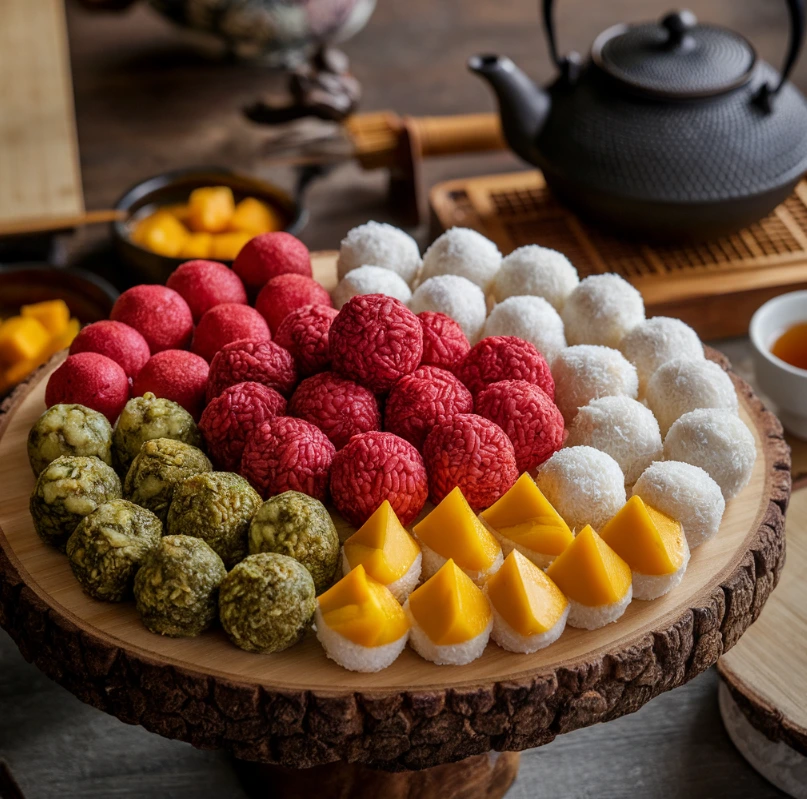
<point>146,102</point>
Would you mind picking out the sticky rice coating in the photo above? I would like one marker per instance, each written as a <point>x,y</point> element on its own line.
<point>463,252</point>
<point>530,318</point>
<point>434,561</point>
<point>584,485</point>
<point>601,310</point>
<point>656,341</point>
<point>404,585</point>
<point>621,427</point>
<point>69,430</point>
<point>383,245</point>
<point>687,494</point>
<point>652,586</point>
<point>536,271</point>
<point>507,638</point>
<point>719,442</point>
<point>354,657</point>
<point>592,618</point>
<point>451,654</point>
<point>369,279</point>
<point>684,385</point>
<point>586,372</point>
<point>456,297</point>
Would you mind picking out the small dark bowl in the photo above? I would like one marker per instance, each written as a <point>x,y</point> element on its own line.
<point>175,187</point>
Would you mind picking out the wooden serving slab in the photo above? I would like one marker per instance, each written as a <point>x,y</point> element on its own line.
<point>298,709</point>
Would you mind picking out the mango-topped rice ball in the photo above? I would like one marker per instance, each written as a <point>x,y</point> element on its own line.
<point>652,544</point>
<point>386,551</point>
<point>451,618</point>
<point>595,580</point>
<point>529,610</point>
<point>524,520</point>
<point>360,624</point>
<point>452,531</point>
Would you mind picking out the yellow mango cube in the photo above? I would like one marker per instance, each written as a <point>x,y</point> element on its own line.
<point>226,246</point>
<point>53,315</point>
<point>65,338</point>
<point>161,232</point>
<point>649,541</point>
<point>197,245</point>
<point>210,209</point>
<point>449,608</point>
<point>525,597</point>
<point>22,339</point>
<point>254,216</point>
<point>382,546</point>
<point>589,572</point>
<point>363,611</point>
<point>180,210</point>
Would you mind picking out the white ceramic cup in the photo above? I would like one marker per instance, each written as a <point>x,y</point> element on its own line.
<point>786,385</point>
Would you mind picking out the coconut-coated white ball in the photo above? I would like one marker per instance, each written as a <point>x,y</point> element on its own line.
<point>687,494</point>
<point>464,252</point>
<point>383,245</point>
<point>456,297</point>
<point>588,371</point>
<point>719,442</point>
<point>621,427</point>
<point>536,271</point>
<point>584,485</point>
<point>656,341</point>
<point>682,385</point>
<point>601,310</point>
<point>530,318</point>
<point>370,280</point>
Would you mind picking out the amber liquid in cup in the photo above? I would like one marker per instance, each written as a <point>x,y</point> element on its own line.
<point>791,346</point>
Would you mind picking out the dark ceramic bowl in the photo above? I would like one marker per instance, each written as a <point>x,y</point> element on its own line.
<point>175,187</point>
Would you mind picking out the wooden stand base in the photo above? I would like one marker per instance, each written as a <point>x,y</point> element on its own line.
<point>486,776</point>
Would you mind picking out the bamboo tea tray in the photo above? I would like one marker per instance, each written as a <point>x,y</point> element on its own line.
<point>715,287</point>
<point>298,709</point>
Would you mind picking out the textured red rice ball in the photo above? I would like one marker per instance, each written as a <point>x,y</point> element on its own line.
<point>205,284</point>
<point>121,343</point>
<point>177,375</point>
<point>419,401</point>
<point>444,343</point>
<point>338,407</point>
<point>269,255</point>
<point>226,323</point>
<point>304,333</point>
<point>530,419</point>
<point>89,379</point>
<point>286,293</point>
<point>504,358</point>
<point>472,453</point>
<point>232,418</point>
<point>158,313</point>
<point>375,340</point>
<point>252,361</point>
<point>287,454</point>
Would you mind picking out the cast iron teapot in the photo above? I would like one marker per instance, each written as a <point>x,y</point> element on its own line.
<point>672,130</point>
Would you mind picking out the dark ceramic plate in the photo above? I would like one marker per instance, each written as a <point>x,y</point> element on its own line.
<point>174,187</point>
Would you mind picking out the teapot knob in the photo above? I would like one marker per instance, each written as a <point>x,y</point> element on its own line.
<point>678,24</point>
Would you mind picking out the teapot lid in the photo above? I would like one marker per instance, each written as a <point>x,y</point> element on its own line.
<point>676,58</point>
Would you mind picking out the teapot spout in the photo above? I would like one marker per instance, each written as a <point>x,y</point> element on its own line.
<point>523,106</point>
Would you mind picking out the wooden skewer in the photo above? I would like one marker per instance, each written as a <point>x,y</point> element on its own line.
<point>24,227</point>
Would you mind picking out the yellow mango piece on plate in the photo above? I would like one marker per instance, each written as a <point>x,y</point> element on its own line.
<point>22,339</point>
<point>20,370</point>
<point>180,210</point>
<point>588,571</point>
<point>452,530</point>
<point>363,611</point>
<point>525,597</point>
<point>210,209</point>
<point>65,338</point>
<point>524,516</point>
<point>382,546</point>
<point>449,607</point>
<point>161,232</point>
<point>53,315</point>
<point>255,216</point>
<point>226,246</point>
<point>197,245</point>
<point>649,541</point>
